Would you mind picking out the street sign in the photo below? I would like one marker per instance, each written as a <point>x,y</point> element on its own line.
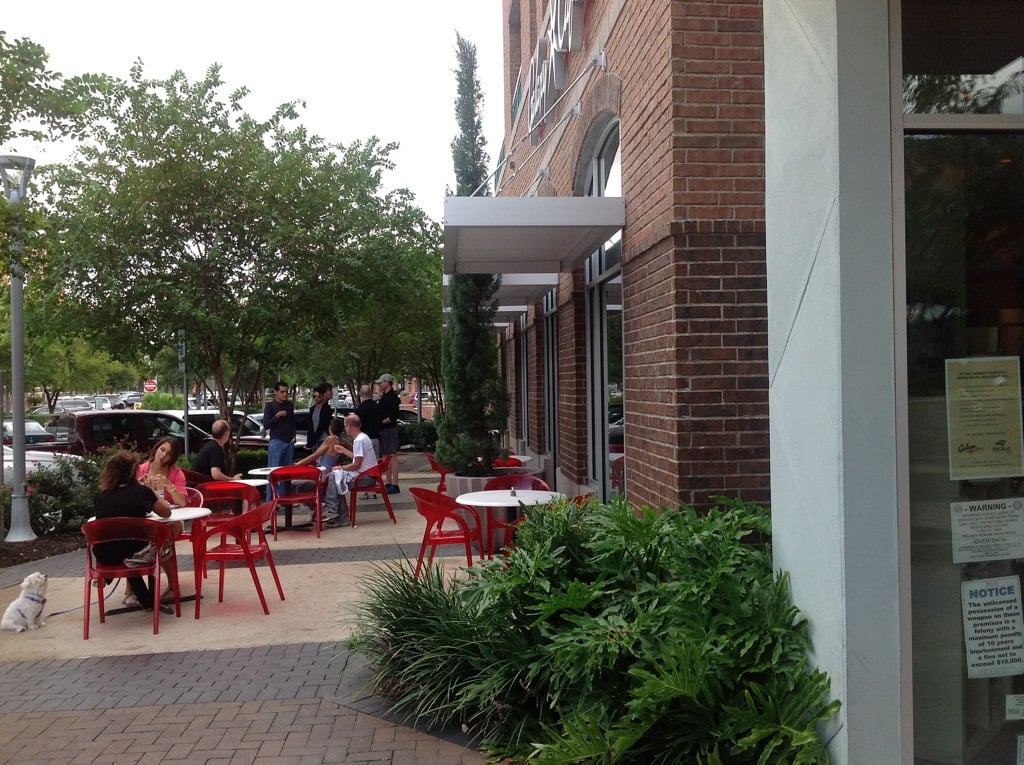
<point>150,386</point>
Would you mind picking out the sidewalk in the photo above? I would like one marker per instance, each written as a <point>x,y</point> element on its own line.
<point>236,686</point>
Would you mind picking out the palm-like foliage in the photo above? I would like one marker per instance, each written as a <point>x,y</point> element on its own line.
<point>609,636</point>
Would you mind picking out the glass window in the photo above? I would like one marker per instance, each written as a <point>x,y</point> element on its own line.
<point>962,58</point>
<point>965,300</point>
<point>604,335</point>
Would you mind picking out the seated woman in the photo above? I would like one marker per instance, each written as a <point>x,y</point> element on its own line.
<point>161,473</point>
<point>122,496</point>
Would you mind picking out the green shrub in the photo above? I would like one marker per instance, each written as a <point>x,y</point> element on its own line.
<point>421,436</point>
<point>608,636</point>
<point>60,497</point>
<point>160,400</point>
<point>247,459</point>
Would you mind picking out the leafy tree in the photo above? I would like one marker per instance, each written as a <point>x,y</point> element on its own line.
<point>181,211</point>
<point>35,102</point>
<point>476,402</point>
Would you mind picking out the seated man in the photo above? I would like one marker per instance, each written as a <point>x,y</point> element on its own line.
<point>342,477</point>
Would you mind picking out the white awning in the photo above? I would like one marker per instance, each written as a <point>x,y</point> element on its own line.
<point>526,235</point>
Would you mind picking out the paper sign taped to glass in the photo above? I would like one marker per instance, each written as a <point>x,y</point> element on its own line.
<point>983,416</point>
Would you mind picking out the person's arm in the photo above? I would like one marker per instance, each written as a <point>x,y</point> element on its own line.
<point>321,450</point>
<point>175,488</point>
<point>161,508</point>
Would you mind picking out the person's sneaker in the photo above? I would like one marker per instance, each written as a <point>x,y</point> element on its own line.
<point>336,521</point>
<point>392,488</point>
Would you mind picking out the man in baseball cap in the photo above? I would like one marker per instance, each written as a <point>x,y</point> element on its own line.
<point>387,408</point>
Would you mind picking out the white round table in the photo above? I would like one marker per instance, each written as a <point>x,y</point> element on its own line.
<point>510,499</point>
<point>261,472</point>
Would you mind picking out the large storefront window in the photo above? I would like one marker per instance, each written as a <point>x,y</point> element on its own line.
<point>963,163</point>
<point>965,330</point>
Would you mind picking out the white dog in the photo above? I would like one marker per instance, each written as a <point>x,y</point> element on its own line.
<point>26,612</point>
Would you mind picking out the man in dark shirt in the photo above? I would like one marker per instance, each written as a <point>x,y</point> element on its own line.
<point>368,416</point>
<point>320,415</point>
<point>387,408</point>
<point>279,421</point>
<point>210,460</point>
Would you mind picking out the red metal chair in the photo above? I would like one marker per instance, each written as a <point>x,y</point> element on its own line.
<point>437,509</point>
<point>101,530</point>
<point>285,494</point>
<point>441,470</point>
<point>229,497</point>
<point>516,481</point>
<point>192,478</point>
<point>240,528</point>
<point>371,481</point>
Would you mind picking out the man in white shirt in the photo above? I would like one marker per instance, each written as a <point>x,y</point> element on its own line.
<point>343,477</point>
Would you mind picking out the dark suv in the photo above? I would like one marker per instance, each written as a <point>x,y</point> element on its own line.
<point>93,431</point>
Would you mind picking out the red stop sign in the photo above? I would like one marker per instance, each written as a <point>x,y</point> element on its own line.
<point>150,386</point>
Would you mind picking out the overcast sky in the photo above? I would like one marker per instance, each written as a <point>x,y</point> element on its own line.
<point>363,68</point>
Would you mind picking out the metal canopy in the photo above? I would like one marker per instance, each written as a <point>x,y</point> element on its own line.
<point>526,235</point>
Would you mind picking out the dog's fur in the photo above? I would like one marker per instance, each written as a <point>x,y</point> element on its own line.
<point>26,612</point>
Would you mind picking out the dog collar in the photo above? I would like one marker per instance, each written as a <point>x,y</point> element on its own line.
<point>35,599</point>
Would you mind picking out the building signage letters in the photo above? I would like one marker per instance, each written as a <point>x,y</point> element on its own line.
<point>547,67</point>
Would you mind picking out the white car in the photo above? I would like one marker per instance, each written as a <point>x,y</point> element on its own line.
<point>33,459</point>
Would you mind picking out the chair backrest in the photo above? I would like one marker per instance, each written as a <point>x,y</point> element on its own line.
<point>516,481</point>
<point>230,496</point>
<point>115,529</point>
<point>436,466</point>
<point>192,478</point>
<point>241,526</point>
<point>282,475</point>
<point>437,506</point>
<point>193,497</point>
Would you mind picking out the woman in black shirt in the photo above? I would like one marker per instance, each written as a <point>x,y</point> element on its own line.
<point>122,496</point>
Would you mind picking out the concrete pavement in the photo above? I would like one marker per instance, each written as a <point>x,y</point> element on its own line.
<point>236,686</point>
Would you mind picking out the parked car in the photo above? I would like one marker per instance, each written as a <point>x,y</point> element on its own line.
<point>33,460</point>
<point>35,433</point>
<point>74,403</point>
<point>204,418</point>
<point>93,431</point>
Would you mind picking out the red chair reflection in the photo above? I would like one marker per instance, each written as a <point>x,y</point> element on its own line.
<point>102,530</point>
<point>241,528</point>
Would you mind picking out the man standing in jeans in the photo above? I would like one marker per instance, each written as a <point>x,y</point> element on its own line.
<point>279,422</point>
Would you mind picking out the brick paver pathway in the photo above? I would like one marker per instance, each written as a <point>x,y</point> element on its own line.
<point>292,704</point>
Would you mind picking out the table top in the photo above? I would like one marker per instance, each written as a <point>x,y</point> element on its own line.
<point>183,514</point>
<point>262,471</point>
<point>257,482</point>
<point>524,458</point>
<point>505,497</point>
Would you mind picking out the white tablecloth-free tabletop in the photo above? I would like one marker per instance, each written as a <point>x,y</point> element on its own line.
<point>262,472</point>
<point>506,497</point>
<point>183,514</point>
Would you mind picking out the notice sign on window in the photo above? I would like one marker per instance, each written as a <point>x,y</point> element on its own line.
<point>991,529</point>
<point>983,412</point>
<point>993,627</point>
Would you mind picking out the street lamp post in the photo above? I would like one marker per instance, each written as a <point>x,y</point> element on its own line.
<point>14,174</point>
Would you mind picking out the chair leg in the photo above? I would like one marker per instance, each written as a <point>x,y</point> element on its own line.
<point>387,504</point>
<point>255,577</point>
<point>155,575</point>
<point>419,558</point>
<point>88,607</point>
<point>273,572</point>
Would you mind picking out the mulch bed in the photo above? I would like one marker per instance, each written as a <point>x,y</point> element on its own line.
<point>13,553</point>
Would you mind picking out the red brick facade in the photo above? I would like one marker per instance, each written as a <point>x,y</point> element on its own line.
<point>684,82</point>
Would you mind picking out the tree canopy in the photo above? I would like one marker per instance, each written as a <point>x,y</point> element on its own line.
<point>183,212</point>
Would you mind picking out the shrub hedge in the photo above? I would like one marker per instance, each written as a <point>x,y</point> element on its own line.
<point>608,635</point>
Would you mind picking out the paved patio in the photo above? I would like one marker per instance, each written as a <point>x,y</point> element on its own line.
<point>236,686</point>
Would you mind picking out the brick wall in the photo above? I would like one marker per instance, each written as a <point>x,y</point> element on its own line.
<point>685,80</point>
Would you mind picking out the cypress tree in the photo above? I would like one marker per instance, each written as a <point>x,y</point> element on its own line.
<point>476,402</point>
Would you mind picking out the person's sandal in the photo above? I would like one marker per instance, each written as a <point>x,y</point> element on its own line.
<point>130,601</point>
<point>167,596</point>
